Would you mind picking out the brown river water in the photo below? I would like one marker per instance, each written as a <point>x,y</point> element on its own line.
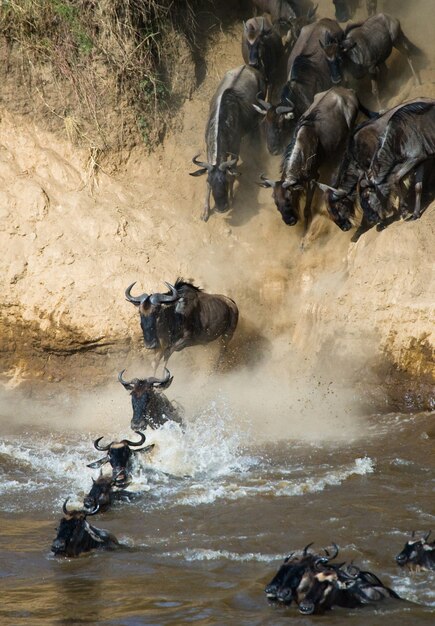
<point>213,523</point>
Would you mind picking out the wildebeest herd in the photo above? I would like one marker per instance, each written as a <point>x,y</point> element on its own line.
<point>293,64</point>
<point>304,93</point>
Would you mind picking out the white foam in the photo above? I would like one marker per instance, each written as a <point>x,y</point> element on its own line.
<point>213,555</point>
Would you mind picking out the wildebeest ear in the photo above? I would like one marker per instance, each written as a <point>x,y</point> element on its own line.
<point>200,172</point>
<point>146,449</point>
<point>99,463</point>
<point>232,172</point>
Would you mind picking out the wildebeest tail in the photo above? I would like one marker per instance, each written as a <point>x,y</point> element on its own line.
<point>404,43</point>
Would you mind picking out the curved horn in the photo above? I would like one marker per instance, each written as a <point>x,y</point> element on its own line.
<point>426,536</point>
<point>93,512</point>
<point>160,298</point>
<point>284,109</point>
<point>334,556</point>
<point>227,164</point>
<point>135,444</point>
<point>207,166</point>
<point>125,383</point>
<point>98,447</point>
<point>287,558</point>
<point>160,381</point>
<point>64,509</point>
<point>305,550</point>
<point>267,182</point>
<point>263,103</point>
<point>134,299</point>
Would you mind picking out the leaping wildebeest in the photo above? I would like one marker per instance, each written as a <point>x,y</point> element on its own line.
<point>186,316</point>
<point>231,117</point>
<point>75,535</point>
<point>317,143</point>
<point>362,146</point>
<point>365,48</point>
<point>407,144</point>
<point>307,74</point>
<point>262,48</point>
<point>150,407</point>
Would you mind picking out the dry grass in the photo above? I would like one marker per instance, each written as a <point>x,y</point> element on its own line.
<point>101,67</point>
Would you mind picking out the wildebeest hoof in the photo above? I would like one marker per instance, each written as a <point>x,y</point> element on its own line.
<point>380,227</point>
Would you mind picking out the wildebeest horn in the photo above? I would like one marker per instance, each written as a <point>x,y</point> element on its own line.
<point>287,558</point>
<point>227,164</point>
<point>339,193</point>
<point>160,381</point>
<point>264,104</point>
<point>413,534</point>
<point>160,298</point>
<point>138,443</point>
<point>281,109</point>
<point>266,182</point>
<point>98,447</point>
<point>64,509</point>
<point>334,545</point>
<point>207,166</point>
<point>125,383</point>
<point>135,299</point>
<point>93,512</point>
<point>426,536</point>
<point>305,550</point>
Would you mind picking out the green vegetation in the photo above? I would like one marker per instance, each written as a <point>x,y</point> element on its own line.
<point>103,64</point>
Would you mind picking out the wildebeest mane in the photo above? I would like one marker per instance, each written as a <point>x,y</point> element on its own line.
<point>411,108</point>
<point>180,282</point>
<point>309,120</point>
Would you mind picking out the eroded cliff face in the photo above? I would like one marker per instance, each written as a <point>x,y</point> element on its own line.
<point>75,232</point>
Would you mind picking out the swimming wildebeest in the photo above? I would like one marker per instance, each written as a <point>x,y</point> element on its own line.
<point>362,146</point>
<point>308,74</point>
<point>286,586</point>
<point>231,117</point>
<point>333,586</point>
<point>75,535</point>
<point>418,553</point>
<point>104,491</point>
<point>120,456</point>
<point>365,48</point>
<point>262,48</point>
<point>186,316</point>
<point>318,141</point>
<point>150,407</point>
<point>407,143</point>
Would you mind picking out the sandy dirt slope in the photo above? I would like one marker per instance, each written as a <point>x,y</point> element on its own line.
<point>73,235</point>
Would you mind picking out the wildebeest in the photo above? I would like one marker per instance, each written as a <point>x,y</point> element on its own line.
<point>262,48</point>
<point>365,48</point>
<point>350,588</point>
<point>231,117</point>
<point>372,7</point>
<point>307,74</point>
<point>150,407</point>
<point>318,141</point>
<point>286,586</point>
<point>104,491</point>
<point>407,143</point>
<point>418,553</point>
<point>120,456</point>
<point>75,535</point>
<point>363,144</point>
<point>186,316</point>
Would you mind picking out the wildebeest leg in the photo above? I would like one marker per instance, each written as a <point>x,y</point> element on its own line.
<point>382,225</point>
<point>362,228</point>
<point>419,172</point>
<point>206,212</point>
<point>375,87</point>
<point>311,187</point>
<point>231,189</point>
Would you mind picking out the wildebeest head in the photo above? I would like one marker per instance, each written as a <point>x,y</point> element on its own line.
<point>322,583</point>
<point>101,492</point>
<point>73,532</point>
<point>340,205</point>
<point>220,178</point>
<point>286,199</point>
<point>119,455</point>
<point>332,49</point>
<point>144,397</point>
<point>414,550</point>
<point>149,309</point>
<point>278,123</point>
